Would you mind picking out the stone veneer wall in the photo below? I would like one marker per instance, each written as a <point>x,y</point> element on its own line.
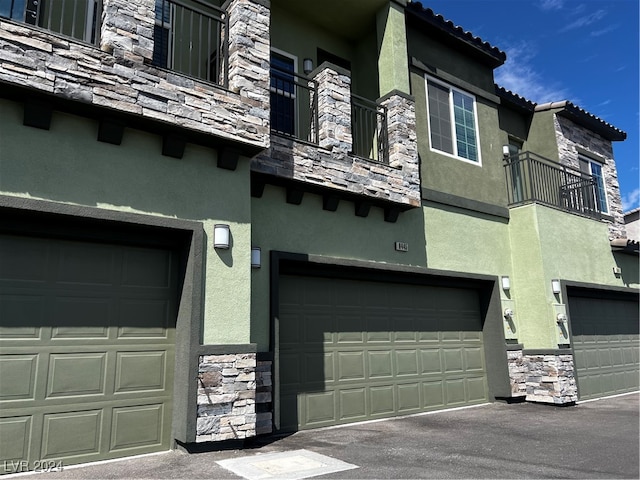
<point>544,378</point>
<point>264,397</point>
<point>117,75</point>
<point>226,397</point>
<point>569,137</point>
<point>331,164</point>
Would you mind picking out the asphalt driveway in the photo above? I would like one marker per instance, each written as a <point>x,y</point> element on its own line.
<point>597,439</point>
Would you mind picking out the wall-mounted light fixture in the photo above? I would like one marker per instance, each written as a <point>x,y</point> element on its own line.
<point>307,66</point>
<point>506,283</point>
<point>256,257</point>
<point>561,318</point>
<point>221,236</point>
<point>508,314</point>
<point>555,286</point>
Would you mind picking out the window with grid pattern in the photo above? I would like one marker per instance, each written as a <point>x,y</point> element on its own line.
<point>453,127</point>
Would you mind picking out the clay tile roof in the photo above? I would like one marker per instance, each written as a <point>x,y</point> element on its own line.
<point>493,55</point>
<point>515,100</point>
<point>584,118</point>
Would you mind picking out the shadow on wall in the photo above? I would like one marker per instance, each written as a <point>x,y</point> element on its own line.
<point>630,268</point>
<point>133,176</point>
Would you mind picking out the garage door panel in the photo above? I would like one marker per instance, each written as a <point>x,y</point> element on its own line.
<point>23,259</point>
<point>320,407</point>
<point>408,398</point>
<point>380,364</point>
<point>351,366</point>
<point>382,400</point>
<point>71,434</point>
<point>476,389</point>
<point>433,394</point>
<point>406,362</point>
<point>353,404</point>
<point>18,374</point>
<point>430,361</point>
<point>426,337</point>
<point>21,314</point>
<point>15,438</point>
<point>74,374</point>
<point>81,317</point>
<point>454,391</point>
<point>143,318</point>
<point>473,359</point>
<point>85,264</point>
<point>453,359</point>
<point>137,426</point>
<point>146,268</point>
<point>140,371</point>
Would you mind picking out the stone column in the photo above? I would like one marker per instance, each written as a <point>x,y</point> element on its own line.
<point>226,397</point>
<point>127,30</point>
<point>249,51</point>
<point>334,108</point>
<point>403,141</point>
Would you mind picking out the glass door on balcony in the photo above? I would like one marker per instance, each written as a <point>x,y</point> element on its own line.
<point>517,174</point>
<point>283,94</point>
<point>595,169</point>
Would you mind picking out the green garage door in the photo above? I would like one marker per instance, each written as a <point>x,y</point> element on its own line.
<point>605,344</point>
<point>356,350</point>
<point>86,350</point>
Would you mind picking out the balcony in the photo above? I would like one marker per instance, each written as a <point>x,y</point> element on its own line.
<point>190,37</point>
<point>162,66</point>
<point>327,139</point>
<point>535,179</point>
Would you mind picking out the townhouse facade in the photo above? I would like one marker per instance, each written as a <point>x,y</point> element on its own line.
<point>229,219</point>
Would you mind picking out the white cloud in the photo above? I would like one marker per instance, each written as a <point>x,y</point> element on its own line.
<point>598,33</point>
<point>631,200</point>
<point>585,20</point>
<point>519,75</point>
<point>551,4</point>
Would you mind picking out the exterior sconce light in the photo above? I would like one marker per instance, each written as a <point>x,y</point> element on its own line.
<point>506,151</point>
<point>508,314</point>
<point>256,257</point>
<point>555,286</point>
<point>221,236</point>
<point>561,318</point>
<point>506,283</point>
<point>307,66</point>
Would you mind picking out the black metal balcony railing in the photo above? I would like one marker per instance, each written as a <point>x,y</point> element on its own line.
<point>294,105</point>
<point>535,179</point>
<point>369,129</point>
<point>79,19</point>
<point>190,37</point>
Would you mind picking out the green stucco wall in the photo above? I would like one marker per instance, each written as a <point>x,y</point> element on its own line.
<point>485,182</point>
<point>67,164</point>
<point>393,63</point>
<point>548,244</point>
<point>542,136</point>
<point>466,241</point>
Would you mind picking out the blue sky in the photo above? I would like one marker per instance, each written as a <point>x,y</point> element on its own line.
<point>584,51</point>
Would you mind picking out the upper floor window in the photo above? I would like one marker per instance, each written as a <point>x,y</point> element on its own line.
<point>595,169</point>
<point>452,117</point>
